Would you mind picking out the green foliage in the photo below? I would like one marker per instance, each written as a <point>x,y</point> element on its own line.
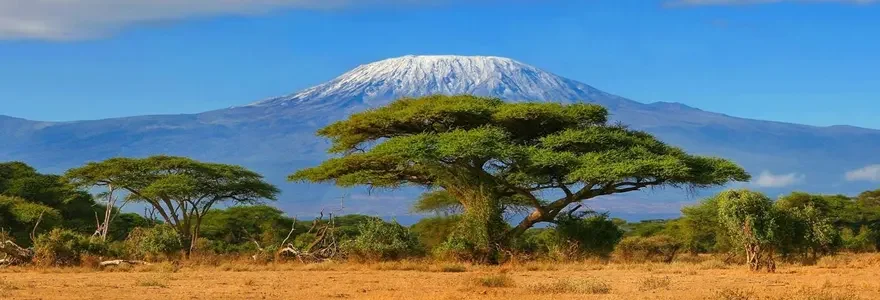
<point>61,247</point>
<point>160,241</point>
<point>378,240</point>
<point>434,231</point>
<point>644,228</point>
<point>700,230</point>
<point>486,153</point>
<point>861,241</point>
<point>659,248</point>
<point>75,207</point>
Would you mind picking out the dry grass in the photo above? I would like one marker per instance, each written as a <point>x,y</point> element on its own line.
<point>495,281</point>
<point>734,294</point>
<point>153,281</point>
<point>453,268</point>
<point>844,277</point>
<point>569,286</point>
<point>654,283</point>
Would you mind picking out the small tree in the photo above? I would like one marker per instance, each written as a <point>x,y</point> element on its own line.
<point>181,190</point>
<point>483,151</point>
<point>751,222</point>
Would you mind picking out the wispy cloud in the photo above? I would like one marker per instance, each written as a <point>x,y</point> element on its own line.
<point>770,180</point>
<point>868,173</point>
<point>84,19</point>
<point>750,2</point>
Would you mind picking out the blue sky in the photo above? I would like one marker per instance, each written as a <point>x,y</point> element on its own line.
<point>812,62</point>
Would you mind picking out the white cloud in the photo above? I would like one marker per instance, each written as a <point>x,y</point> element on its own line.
<point>770,180</point>
<point>83,19</point>
<point>747,2</point>
<point>869,173</point>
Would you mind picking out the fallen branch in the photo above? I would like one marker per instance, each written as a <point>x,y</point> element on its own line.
<point>122,261</point>
<point>15,254</point>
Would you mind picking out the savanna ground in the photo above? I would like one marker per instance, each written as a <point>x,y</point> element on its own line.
<point>840,277</point>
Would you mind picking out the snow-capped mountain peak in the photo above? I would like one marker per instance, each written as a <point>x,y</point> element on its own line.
<point>377,83</point>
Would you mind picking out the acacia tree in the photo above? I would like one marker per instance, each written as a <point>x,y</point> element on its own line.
<point>181,190</point>
<point>752,222</point>
<point>483,150</point>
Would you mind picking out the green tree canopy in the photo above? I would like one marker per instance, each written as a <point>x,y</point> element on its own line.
<point>482,150</point>
<point>76,207</point>
<point>181,190</point>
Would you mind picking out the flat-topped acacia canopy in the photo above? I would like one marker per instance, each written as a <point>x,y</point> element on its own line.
<point>482,150</point>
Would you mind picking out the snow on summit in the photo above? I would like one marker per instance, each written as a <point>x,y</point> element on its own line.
<point>377,83</point>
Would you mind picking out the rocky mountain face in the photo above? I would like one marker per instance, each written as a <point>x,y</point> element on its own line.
<point>276,136</point>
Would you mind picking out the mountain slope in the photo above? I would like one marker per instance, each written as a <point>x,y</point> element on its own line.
<point>276,136</point>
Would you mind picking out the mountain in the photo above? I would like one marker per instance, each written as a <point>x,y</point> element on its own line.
<point>276,136</point>
<point>377,83</point>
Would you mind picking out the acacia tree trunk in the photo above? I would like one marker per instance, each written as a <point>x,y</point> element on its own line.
<point>481,230</point>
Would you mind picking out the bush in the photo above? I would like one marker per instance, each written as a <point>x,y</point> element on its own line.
<point>61,247</point>
<point>660,248</point>
<point>160,241</point>
<point>858,243</point>
<point>592,234</point>
<point>378,240</point>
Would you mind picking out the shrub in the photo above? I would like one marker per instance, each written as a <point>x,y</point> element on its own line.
<point>62,247</point>
<point>660,248</point>
<point>160,241</point>
<point>593,233</point>
<point>378,240</point>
